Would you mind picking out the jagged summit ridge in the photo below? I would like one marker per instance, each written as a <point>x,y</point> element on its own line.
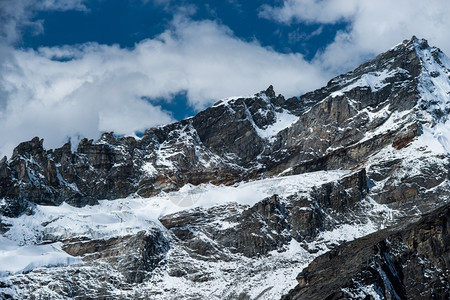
<point>409,60</point>
<point>389,90</point>
<point>242,137</point>
<point>218,145</point>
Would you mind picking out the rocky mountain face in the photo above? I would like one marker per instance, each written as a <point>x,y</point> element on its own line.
<point>219,145</point>
<point>408,261</point>
<point>340,194</point>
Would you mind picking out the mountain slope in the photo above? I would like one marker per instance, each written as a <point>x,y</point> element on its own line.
<point>234,202</point>
<point>410,261</point>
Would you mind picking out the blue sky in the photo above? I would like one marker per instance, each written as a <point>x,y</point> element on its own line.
<point>77,68</point>
<point>128,22</point>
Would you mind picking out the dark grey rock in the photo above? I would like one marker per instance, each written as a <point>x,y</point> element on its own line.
<point>135,256</point>
<point>405,262</point>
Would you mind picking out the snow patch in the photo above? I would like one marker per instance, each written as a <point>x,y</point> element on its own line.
<point>17,259</point>
<point>435,139</point>
<point>434,82</point>
<point>149,169</point>
<point>374,80</point>
<point>283,121</point>
<point>226,101</point>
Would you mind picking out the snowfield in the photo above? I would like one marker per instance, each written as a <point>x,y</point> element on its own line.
<point>33,241</point>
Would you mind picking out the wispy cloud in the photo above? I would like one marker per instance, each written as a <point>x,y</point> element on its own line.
<point>310,11</point>
<point>16,15</point>
<point>374,26</point>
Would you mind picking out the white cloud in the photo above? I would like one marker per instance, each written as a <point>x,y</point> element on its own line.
<point>15,15</point>
<point>74,91</point>
<point>374,26</point>
<point>83,90</point>
<point>311,11</point>
<point>61,5</point>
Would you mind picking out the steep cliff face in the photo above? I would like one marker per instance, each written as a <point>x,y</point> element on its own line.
<point>236,201</point>
<point>271,223</point>
<point>404,262</point>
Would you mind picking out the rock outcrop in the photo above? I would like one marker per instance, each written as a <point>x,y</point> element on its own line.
<point>404,262</point>
<point>135,256</point>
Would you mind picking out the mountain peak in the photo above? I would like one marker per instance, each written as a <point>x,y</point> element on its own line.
<point>411,65</point>
<point>415,42</point>
<point>270,92</point>
<point>251,181</point>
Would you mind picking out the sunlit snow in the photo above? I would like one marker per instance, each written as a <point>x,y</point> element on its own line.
<point>15,258</point>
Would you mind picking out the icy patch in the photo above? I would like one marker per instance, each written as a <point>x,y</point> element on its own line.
<point>435,139</point>
<point>223,225</point>
<point>187,196</point>
<point>16,259</point>
<point>345,232</point>
<point>225,101</point>
<point>374,80</point>
<point>336,94</point>
<point>394,121</point>
<point>149,169</point>
<point>283,121</point>
<point>349,232</point>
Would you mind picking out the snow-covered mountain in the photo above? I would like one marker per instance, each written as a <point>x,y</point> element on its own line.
<point>341,194</point>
